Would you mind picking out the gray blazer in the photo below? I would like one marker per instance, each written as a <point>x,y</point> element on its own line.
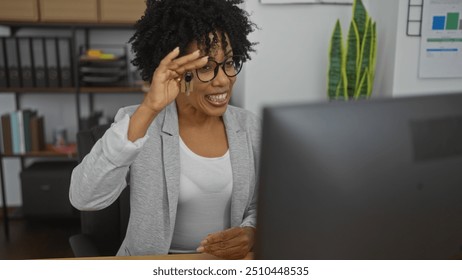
<point>155,176</point>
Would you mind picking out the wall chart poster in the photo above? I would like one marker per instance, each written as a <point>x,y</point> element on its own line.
<point>306,1</point>
<point>441,42</point>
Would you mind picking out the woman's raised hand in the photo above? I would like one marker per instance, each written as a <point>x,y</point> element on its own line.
<point>166,79</point>
<point>164,88</point>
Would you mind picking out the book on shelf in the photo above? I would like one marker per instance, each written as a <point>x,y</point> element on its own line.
<point>52,62</point>
<point>23,117</point>
<point>27,116</point>
<point>15,138</point>
<point>22,132</point>
<point>12,65</point>
<point>25,63</point>
<point>1,137</point>
<point>64,50</point>
<point>31,61</point>
<point>6,134</point>
<point>2,76</point>
<point>39,62</point>
<point>37,133</point>
<point>3,68</point>
<point>22,140</point>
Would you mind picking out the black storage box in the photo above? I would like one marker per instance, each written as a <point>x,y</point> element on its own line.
<point>45,190</point>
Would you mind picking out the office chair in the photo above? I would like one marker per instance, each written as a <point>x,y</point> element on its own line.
<point>102,231</point>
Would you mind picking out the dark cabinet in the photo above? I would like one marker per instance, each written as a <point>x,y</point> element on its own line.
<point>45,190</point>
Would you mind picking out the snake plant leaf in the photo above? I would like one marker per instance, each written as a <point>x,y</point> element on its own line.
<point>373,58</point>
<point>365,51</point>
<point>360,17</point>
<point>335,61</point>
<point>352,68</point>
<point>342,92</point>
<point>361,90</point>
<point>352,57</point>
<point>370,83</point>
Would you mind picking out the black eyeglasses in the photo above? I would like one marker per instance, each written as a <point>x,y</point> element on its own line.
<point>231,67</point>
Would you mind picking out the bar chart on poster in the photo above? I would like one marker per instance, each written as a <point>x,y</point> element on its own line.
<point>441,42</point>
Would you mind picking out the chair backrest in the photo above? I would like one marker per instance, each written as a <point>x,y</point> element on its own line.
<point>105,228</point>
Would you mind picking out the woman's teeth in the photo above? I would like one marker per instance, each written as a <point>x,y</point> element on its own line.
<point>217,98</point>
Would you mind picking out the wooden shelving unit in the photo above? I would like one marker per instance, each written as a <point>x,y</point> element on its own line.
<point>64,24</point>
<point>77,90</point>
<point>71,90</point>
<point>69,151</point>
<point>37,90</point>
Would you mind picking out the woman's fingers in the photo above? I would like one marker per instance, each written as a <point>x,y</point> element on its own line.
<point>182,64</point>
<point>222,236</point>
<point>235,248</point>
<point>173,67</point>
<point>169,57</point>
<point>171,62</point>
<point>187,58</point>
<point>179,70</point>
<point>162,72</point>
<point>198,63</point>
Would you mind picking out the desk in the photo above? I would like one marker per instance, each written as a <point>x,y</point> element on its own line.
<point>250,256</point>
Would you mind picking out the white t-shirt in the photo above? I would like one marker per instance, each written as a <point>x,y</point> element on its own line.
<point>204,200</point>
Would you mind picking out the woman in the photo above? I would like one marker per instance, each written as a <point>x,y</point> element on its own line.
<point>192,158</point>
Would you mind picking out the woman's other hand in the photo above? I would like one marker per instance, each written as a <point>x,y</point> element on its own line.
<point>233,243</point>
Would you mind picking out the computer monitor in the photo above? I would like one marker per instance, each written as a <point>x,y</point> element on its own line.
<point>373,179</point>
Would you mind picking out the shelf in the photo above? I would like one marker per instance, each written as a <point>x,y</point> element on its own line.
<point>37,90</point>
<point>100,60</point>
<point>69,151</point>
<point>128,89</point>
<point>133,89</point>
<point>67,24</point>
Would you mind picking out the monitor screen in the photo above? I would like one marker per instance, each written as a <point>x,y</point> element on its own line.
<point>373,179</point>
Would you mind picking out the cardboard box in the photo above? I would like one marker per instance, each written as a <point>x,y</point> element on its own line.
<point>19,10</point>
<point>121,11</point>
<point>85,11</point>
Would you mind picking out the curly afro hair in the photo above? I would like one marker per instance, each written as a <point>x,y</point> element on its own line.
<point>167,24</point>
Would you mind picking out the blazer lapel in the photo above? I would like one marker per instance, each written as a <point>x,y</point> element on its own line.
<point>240,163</point>
<point>171,157</point>
<point>238,150</point>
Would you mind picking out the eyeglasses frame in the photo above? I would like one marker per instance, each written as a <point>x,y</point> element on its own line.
<point>222,65</point>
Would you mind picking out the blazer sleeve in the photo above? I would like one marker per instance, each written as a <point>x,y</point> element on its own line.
<point>101,176</point>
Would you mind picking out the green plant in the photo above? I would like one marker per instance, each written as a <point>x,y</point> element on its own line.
<point>352,69</point>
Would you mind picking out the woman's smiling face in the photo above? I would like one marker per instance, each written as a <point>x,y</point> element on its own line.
<point>210,98</point>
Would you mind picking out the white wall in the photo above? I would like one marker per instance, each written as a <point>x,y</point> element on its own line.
<point>385,13</point>
<point>398,64</point>
<point>291,60</point>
